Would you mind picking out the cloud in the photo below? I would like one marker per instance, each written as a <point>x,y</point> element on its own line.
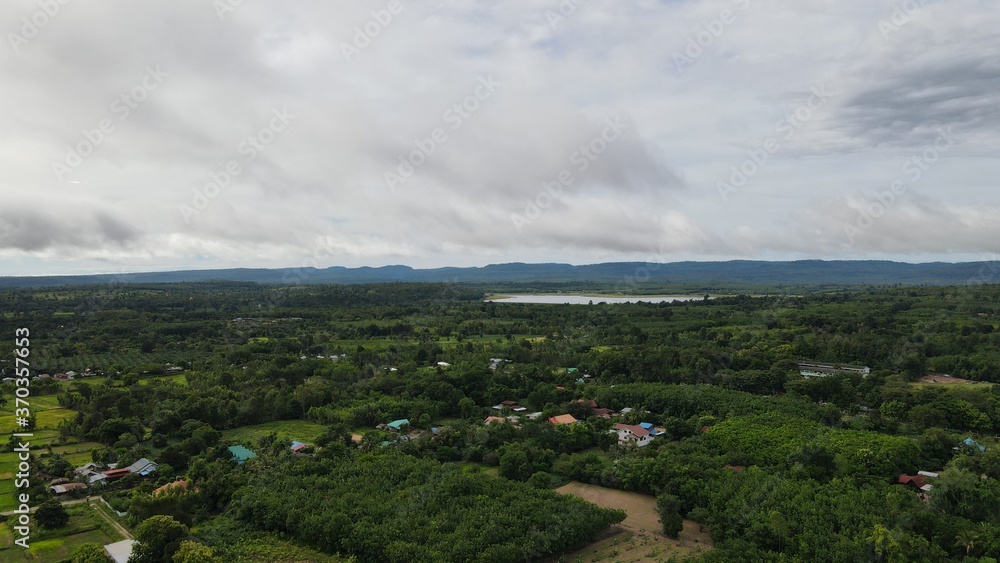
<point>555,82</point>
<point>28,228</point>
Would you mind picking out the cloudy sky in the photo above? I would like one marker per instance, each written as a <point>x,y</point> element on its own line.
<point>191,134</point>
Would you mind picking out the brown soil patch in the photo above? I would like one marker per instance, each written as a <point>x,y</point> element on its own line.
<point>943,379</point>
<point>638,537</point>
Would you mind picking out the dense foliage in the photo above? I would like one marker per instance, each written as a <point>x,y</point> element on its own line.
<point>775,465</point>
<point>392,507</point>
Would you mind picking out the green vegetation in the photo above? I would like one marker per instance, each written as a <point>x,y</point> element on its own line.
<point>84,526</point>
<point>775,465</point>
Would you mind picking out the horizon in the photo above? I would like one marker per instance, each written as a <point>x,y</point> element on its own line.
<point>992,261</point>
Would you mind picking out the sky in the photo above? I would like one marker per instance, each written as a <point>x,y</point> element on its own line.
<point>148,136</point>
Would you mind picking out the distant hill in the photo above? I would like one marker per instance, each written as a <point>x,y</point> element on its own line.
<point>738,272</point>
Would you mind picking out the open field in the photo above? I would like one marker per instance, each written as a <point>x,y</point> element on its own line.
<point>48,414</point>
<point>638,537</point>
<point>301,430</point>
<point>938,379</point>
<point>85,526</point>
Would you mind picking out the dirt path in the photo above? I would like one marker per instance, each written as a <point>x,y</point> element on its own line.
<point>64,503</point>
<point>638,538</point>
<point>121,529</point>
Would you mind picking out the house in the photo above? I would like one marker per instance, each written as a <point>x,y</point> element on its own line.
<point>626,410</point>
<point>120,552</point>
<point>95,478</point>
<point>397,425</point>
<point>512,405</point>
<point>493,419</point>
<point>919,482</point>
<point>444,364</point>
<point>143,467</point>
<point>602,412</point>
<point>299,446</point>
<point>63,489</point>
<point>241,454</point>
<point>822,369</point>
<point>175,487</point>
<point>632,434</point>
<point>563,419</point>
<point>534,415</point>
<point>115,474</point>
<point>88,468</point>
<point>653,430</point>
<point>974,444</point>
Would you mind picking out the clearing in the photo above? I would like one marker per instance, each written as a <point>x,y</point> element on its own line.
<point>638,537</point>
<point>301,430</point>
<point>948,380</point>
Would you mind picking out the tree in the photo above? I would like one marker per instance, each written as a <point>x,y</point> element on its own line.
<point>968,539</point>
<point>193,552</point>
<point>668,506</point>
<point>51,514</point>
<point>159,538</point>
<point>90,553</point>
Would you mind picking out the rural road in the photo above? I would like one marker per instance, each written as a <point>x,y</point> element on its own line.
<point>121,529</point>
<point>64,503</point>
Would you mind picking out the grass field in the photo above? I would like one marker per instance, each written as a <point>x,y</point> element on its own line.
<point>48,414</point>
<point>85,526</point>
<point>301,430</point>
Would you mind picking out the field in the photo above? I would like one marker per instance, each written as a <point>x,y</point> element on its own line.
<point>48,415</point>
<point>301,430</point>
<point>947,380</point>
<point>85,526</point>
<point>638,537</point>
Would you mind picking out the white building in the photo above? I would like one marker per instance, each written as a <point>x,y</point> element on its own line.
<point>632,434</point>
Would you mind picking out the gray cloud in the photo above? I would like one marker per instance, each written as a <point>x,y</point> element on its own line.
<point>320,182</point>
<point>30,229</point>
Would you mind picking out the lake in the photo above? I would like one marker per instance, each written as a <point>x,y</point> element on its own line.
<point>585,299</point>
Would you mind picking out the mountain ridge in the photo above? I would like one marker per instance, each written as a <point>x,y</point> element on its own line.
<point>750,272</point>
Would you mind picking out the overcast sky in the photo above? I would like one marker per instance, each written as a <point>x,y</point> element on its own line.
<point>185,134</point>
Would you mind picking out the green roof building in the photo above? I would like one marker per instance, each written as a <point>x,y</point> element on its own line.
<point>241,454</point>
<point>398,424</point>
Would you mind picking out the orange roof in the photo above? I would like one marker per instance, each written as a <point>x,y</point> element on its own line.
<point>171,487</point>
<point>563,419</point>
<point>492,419</point>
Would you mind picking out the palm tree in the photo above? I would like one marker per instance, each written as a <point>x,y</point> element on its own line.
<point>967,539</point>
